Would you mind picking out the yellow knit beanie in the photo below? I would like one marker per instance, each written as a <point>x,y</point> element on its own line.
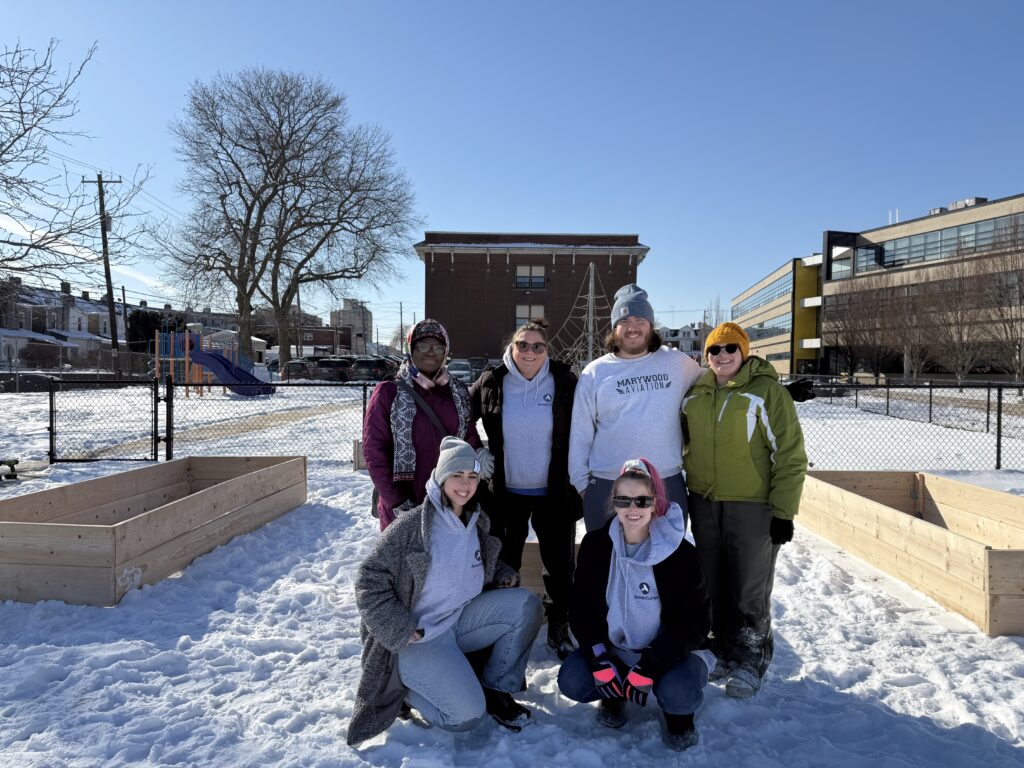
<point>728,333</point>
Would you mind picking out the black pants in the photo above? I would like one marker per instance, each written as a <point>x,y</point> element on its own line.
<point>737,558</point>
<point>556,536</point>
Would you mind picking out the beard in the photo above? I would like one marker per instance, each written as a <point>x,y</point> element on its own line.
<point>636,345</point>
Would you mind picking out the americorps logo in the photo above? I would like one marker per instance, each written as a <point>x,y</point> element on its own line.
<point>645,588</point>
<point>477,555</point>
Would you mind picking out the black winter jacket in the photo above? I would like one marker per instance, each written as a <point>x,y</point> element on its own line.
<point>487,394</point>
<point>685,608</point>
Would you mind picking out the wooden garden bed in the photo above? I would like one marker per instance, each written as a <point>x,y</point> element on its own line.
<point>958,543</point>
<point>91,542</point>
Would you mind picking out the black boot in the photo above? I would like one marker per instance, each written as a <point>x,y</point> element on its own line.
<point>680,732</point>
<point>559,638</point>
<point>506,710</point>
<point>611,713</point>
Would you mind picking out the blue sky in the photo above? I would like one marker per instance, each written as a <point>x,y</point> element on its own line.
<point>726,135</point>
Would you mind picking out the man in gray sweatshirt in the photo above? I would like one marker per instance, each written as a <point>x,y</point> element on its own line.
<point>628,404</point>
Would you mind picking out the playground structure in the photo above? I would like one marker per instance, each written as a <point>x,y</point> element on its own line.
<point>196,361</point>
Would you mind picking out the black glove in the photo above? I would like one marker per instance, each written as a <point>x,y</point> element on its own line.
<point>800,390</point>
<point>781,531</point>
<point>638,685</point>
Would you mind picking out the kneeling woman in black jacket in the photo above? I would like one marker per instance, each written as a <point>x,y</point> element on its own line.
<point>639,611</point>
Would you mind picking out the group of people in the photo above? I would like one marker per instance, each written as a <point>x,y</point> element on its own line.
<point>671,585</point>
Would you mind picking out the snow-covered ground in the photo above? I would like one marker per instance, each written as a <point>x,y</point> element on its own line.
<point>250,657</point>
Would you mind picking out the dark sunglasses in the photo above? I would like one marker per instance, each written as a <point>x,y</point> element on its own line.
<point>732,349</point>
<point>640,502</point>
<point>538,347</point>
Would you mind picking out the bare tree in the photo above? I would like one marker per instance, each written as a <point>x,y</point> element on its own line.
<point>1004,287</point>
<point>906,311</point>
<point>48,219</point>
<point>398,338</point>
<point>954,298</point>
<point>854,324</point>
<point>714,315</point>
<point>287,192</point>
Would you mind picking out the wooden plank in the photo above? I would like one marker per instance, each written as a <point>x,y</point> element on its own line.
<point>1005,571</point>
<point>948,590</point>
<point>152,529</point>
<point>1006,615</point>
<point>531,572</point>
<point>53,544</point>
<point>130,506</point>
<point>358,460</point>
<point>44,506</point>
<point>936,546</point>
<point>80,585</point>
<point>994,515</point>
<point>220,468</point>
<point>172,556</point>
<point>894,489</point>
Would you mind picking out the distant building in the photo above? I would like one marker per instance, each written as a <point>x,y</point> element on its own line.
<point>356,316</point>
<point>686,339</point>
<point>780,315</point>
<point>483,285</point>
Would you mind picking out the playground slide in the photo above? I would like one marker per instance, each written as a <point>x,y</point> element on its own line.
<point>230,375</point>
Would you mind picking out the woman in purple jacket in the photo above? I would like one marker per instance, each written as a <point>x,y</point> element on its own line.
<point>400,442</point>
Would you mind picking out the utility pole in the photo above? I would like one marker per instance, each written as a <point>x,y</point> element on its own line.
<point>104,226</point>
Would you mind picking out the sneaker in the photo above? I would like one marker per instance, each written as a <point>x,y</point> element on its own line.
<point>506,710</point>
<point>742,682</point>
<point>560,639</point>
<point>680,732</point>
<point>611,713</point>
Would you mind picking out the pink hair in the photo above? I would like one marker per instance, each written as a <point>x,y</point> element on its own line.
<point>654,482</point>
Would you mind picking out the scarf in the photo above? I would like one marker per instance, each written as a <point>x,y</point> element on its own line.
<point>403,411</point>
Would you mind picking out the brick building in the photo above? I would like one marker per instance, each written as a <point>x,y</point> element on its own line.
<point>483,285</point>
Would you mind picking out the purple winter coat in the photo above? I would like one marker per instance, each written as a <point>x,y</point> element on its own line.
<point>378,448</point>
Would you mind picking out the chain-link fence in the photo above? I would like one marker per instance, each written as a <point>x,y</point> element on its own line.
<point>914,427</point>
<point>847,426</point>
<point>98,420</point>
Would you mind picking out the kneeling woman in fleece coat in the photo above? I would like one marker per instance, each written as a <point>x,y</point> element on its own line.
<point>420,596</point>
<point>639,611</point>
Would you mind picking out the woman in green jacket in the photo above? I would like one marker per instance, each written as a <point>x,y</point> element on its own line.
<point>745,466</point>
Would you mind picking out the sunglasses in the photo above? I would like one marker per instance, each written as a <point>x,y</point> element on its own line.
<point>732,349</point>
<point>640,502</point>
<point>419,346</point>
<point>538,347</point>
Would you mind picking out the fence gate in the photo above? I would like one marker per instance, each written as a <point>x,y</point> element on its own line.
<point>103,420</point>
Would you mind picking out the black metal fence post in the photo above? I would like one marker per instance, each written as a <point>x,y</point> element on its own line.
<point>856,396</point>
<point>52,385</point>
<point>365,385</point>
<point>156,419</point>
<point>169,419</point>
<point>999,427</point>
<point>988,408</point>
<point>887,397</point>
<point>930,390</point>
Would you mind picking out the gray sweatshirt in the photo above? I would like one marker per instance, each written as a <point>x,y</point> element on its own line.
<point>456,573</point>
<point>634,605</point>
<point>624,409</point>
<point>526,424</point>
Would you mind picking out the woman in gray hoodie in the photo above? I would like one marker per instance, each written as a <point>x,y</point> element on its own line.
<point>420,594</point>
<point>639,611</point>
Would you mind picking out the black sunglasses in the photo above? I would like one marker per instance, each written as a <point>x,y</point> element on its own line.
<point>538,347</point>
<point>640,502</point>
<point>732,349</point>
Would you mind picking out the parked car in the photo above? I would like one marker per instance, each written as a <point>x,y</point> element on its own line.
<point>371,369</point>
<point>334,368</point>
<point>297,369</point>
<point>462,370</point>
<point>477,364</point>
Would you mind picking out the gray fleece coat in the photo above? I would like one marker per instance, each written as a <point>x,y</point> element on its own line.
<point>387,587</point>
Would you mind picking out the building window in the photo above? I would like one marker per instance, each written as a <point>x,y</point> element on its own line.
<point>79,323</point>
<point>776,326</point>
<point>777,356</point>
<point>527,312</point>
<point>774,290</point>
<point>307,336</point>
<point>530,277</point>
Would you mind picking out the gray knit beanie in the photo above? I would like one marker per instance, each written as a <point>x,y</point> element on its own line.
<point>631,301</point>
<point>456,456</point>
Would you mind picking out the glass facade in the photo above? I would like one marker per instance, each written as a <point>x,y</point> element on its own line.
<point>774,290</point>
<point>966,239</point>
<point>776,356</point>
<point>776,326</point>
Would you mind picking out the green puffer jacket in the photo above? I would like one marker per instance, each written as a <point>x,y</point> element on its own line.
<point>745,440</point>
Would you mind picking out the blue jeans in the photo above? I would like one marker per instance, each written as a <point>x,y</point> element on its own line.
<point>597,501</point>
<point>441,682</point>
<point>680,691</point>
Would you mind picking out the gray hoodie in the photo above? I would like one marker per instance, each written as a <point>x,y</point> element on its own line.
<point>634,605</point>
<point>526,424</point>
<point>456,573</point>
